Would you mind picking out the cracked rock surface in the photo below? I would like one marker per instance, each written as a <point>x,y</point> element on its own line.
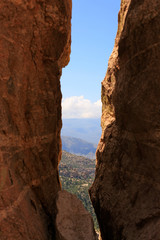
<point>34,46</point>
<point>126,190</point>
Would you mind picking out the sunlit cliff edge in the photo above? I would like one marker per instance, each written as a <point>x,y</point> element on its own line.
<point>126,190</point>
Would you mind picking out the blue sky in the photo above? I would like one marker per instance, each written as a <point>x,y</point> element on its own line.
<point>94,27</point>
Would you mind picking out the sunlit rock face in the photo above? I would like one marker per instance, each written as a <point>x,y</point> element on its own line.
<point>126,190</point>
<point>34,46</point>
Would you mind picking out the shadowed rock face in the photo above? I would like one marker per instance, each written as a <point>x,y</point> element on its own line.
<point>73,222</point>
<point>126,190</point>
<point>34,46</point>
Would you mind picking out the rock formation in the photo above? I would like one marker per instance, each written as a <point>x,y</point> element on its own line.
<point>73,222</point>
<point>126,190</point>
<point>34,46</point>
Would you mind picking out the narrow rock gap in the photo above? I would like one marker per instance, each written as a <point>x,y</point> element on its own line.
<point>77,166</point>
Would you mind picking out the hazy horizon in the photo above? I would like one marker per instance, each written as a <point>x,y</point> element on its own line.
<point>88,129</point>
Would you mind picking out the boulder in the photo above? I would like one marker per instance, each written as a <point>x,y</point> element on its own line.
<point>73,222</point>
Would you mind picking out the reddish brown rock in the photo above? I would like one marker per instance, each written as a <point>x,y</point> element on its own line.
<point>126,190</point>
<point>73,221</point>
<point>34,46</point>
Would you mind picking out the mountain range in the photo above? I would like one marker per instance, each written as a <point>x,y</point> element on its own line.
<point>79,147</point>
<point>86,129</point>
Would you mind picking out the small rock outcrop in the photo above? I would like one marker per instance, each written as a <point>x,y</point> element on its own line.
<point>126,190</point>
<point>73,222</point>
<point>34,46</point>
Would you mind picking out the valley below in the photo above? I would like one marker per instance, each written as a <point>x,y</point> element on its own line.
<point>77,175</point>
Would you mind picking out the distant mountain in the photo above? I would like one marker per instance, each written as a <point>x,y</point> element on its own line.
<point>79,147</point>
<point>86,129</point>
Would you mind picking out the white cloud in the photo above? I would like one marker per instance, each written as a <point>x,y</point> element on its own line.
<point>79,107</point>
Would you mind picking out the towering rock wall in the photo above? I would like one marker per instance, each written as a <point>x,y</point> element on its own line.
<point>126,190</point>
<point>34,46</point>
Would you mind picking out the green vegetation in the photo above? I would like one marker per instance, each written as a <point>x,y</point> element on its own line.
<point>77,175</point>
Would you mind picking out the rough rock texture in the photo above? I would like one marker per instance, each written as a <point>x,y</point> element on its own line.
<point>73,222</point>
<point>34,46</point>
<point>126,191</point>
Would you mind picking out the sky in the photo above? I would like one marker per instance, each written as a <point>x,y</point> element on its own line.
<point>94,27</point>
